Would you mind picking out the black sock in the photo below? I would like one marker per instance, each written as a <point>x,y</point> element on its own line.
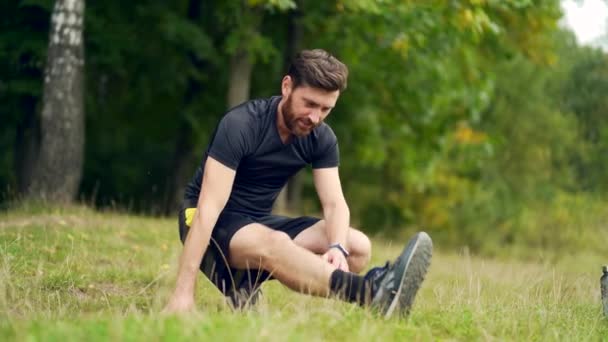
<point>349,287</point>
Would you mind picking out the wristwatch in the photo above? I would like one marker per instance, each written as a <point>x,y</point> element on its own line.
<point>341,248</point>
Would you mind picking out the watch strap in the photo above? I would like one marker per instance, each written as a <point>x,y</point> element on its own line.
<point>340,248</point>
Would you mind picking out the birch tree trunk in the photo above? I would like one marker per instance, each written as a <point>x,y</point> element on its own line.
<point>59,167</point>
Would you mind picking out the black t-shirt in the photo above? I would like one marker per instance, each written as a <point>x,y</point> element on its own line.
<point>247,140</point>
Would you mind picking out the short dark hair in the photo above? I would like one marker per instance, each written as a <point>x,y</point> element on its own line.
<point>318,69</point>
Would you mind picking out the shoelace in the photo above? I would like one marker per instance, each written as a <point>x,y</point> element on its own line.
<point>372,276</point>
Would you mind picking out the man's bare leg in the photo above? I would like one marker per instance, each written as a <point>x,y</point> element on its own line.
<point>258,247</point>
<point>358,245</point>
<point>388,289</point>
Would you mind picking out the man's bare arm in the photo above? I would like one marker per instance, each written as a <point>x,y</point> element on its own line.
<point>215,191</point>
<point>335,209</point>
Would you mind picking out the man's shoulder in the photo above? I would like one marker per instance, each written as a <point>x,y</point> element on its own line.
<point>249,120</point>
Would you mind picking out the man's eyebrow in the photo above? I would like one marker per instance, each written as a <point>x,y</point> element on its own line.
<point>315,102</point>
<point>310,100</point>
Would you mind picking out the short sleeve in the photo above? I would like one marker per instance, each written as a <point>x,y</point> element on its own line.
<point>327,153</point>
<point>231,141</point>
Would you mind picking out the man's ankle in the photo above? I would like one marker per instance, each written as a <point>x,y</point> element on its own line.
<point>350,287</point>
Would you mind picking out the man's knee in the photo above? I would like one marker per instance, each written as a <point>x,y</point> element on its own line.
<point>360,251</point>
<point>258,246</point>
<point>275,242</point>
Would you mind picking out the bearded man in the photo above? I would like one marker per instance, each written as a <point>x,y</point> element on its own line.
<point>226,224</point>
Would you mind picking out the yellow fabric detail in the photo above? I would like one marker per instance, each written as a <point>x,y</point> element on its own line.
<point>189,216</point>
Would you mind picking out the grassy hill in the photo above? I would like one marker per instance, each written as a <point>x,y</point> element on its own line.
<point>75,274</point>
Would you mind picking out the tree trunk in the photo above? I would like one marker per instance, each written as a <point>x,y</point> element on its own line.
<point>290,198</point>
<point>241,66</point>
<point>242,60</point>
<point>182,154</point>
<point>59,167</point>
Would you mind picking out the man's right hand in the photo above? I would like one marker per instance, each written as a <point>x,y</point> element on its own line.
<point>179,304</point>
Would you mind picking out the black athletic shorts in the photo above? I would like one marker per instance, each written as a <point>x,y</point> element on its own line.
<point>215,261</point>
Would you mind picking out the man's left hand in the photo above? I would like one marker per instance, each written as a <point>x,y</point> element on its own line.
<point>335,257</point>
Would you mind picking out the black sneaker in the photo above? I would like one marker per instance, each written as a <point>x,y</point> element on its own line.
<point>394,287</point>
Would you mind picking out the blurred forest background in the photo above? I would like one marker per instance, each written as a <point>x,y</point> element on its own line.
<point>482,121</point>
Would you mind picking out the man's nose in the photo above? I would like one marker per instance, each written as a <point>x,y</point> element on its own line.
<point>314,117</point>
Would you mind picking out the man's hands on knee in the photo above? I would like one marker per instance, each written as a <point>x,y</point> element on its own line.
<point>336,258</point>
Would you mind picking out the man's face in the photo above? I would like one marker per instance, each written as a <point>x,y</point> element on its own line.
<point>306,107</point>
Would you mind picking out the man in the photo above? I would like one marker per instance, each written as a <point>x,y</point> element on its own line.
<point>227,223</point>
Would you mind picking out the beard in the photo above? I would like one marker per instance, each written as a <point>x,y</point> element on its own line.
<point>293,123</point>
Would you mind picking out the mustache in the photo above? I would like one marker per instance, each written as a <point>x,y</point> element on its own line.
<point>307,122</point>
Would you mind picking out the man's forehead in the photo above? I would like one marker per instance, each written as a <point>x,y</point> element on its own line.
<point>318,95</point>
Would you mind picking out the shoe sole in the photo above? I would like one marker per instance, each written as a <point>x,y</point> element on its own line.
<point>417,255</point>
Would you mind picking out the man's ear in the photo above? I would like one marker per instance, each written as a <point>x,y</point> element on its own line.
<point>286,86</point>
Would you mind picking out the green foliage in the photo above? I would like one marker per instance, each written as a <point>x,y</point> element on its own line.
<point>459,115</point>
<point>43,4</point>
<point>282,5</point>
<point>584,94</point>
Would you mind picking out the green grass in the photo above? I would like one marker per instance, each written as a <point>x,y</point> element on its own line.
<point>76,274</point>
